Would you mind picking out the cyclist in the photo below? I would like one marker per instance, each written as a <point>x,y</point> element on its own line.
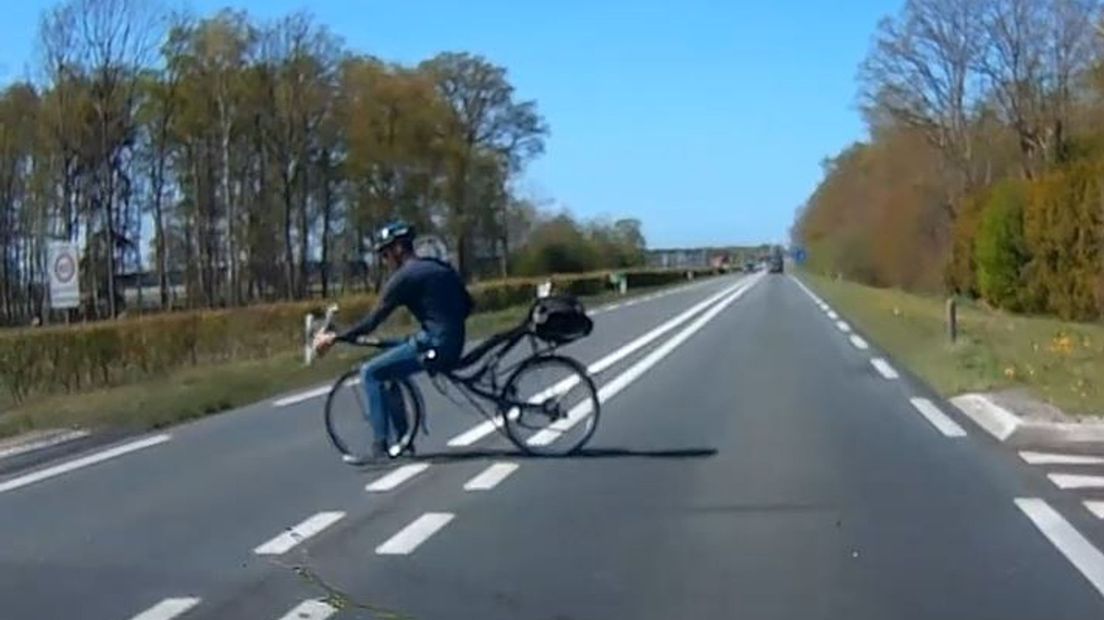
<point>435,294</point>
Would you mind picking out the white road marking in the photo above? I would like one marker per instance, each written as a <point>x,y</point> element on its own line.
<point>884,368</point>
<point>394,478</point>
<point>408,539</point>
<point>1095,507</point>
<point>295,399</point>
<point>84,461</point>
<point>832,315</point>
<point>481,430</point>
<point>310,610</point>
<point>843,326</point>
<point>817,300</point>
<point>1077,549</point>
<point>490,477</point>
<point>295,535</point>
<point>994,419</point>
<point>1048,458</point>
<point>609,390</point>
<point>40,444</point>
<point>168,608</point>
<point>1077,481</point>
<point>938,419</point>
<point>859,343</point>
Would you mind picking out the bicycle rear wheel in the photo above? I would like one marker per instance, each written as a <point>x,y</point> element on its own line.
<point>550,406</point>
<point>347,425</point>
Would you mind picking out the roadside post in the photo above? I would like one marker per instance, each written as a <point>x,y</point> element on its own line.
<point>952,319</point>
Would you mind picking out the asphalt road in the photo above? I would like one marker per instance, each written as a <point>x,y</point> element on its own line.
<point>757,465</point>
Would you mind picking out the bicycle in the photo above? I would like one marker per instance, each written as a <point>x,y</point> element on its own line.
<point>547,404</point>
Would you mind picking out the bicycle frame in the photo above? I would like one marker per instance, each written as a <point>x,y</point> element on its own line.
<point>484,381</point>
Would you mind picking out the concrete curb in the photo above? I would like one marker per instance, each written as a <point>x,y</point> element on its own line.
<point>1007,427</point>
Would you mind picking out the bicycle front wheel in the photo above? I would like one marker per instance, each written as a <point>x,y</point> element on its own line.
<point>347,423</point>
<point>550,406</point>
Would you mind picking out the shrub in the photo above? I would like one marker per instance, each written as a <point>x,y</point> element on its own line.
<point>69,358</point>
<point>1000,252</point>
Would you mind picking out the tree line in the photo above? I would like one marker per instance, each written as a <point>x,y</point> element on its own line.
<point>241,160</point>
<point>983,173</point>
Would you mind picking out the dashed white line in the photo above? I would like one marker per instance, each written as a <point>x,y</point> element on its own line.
<point>168,608</point>
<point>485,428</point>
<point>832,315</point>
<point>295,535</point>
<point>1095,507</point>
<point>941,421</point>
<point>1077,549</point>
<point>1049,458</point>
<point>85,461</point>
<point>394,478</point>
<point>843,326</point>
<point>410,537</point>
<point>884,368</point>
<point>1077,481</point>
<point>859,343</point>
<point>490,477</point>
<point>310,610</point>
<point>609,390</point>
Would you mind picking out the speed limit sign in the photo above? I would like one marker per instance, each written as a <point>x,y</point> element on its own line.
<point>63,265</point>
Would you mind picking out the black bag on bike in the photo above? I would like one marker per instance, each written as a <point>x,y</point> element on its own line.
<point>559,319</point>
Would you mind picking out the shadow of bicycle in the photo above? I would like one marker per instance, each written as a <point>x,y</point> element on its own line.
<point>584,453</point>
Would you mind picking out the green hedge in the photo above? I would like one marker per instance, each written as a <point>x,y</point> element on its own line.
<point>70,358</point>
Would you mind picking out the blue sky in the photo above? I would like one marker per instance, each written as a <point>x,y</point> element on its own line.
<point>708,120</point>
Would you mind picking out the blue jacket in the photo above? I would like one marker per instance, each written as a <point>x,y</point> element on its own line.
<point>435,294</point>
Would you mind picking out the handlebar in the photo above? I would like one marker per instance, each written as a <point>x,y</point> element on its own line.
<point>379,343</point>
<point>314,326</point>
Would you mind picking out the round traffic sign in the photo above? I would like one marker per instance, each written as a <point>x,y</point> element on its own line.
<point>64,267</point>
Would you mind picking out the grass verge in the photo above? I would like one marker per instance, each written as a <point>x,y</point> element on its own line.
<point>205,390</point>
<point>1059,362</point>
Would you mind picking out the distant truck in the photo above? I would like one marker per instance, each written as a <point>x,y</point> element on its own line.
<point>775,264</point>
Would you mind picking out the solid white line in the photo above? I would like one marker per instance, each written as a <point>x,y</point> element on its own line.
<point>843,327</point>
<point>84,461</point>
<point>884,368</point>
<point>1077,481</point>
<point>609,390</point>
<point>295,535</point>
<point>938,419</point>
<point>310,610</point>
<point>1095,507</point>
<point>859,343</point>
<point>481,430</point>
<point>394,478</point>
<point>490,477</point>
<point>168,608</point>
<point>1048,458</point>
<point>1079,551</point>
<point>31,446</point>
<point>408,539</point>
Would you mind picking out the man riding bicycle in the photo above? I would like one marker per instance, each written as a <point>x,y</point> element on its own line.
<point>435,294</point>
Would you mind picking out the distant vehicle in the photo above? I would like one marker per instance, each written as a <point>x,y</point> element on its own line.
<point>774,263</point>
<point>749,266</point>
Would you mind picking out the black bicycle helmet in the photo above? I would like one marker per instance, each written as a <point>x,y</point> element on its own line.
<point>393,232</point>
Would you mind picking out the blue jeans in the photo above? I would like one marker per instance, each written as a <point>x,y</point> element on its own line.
<point>391,365</point>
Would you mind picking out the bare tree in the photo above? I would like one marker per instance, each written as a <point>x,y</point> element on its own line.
<point>922,71</point>
<point>1035,51</point>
